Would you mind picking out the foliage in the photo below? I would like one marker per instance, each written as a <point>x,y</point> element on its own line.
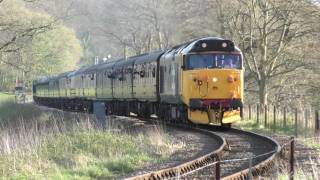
<point>55,51</point>
<point>33,43</point>
<point>278,38</point>
<point>88,54</point>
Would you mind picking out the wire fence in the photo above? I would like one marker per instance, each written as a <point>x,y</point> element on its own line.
<point>287,164</point>
<point>216,169</point>
<point>297,122</point>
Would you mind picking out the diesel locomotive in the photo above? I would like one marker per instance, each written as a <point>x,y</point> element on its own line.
<point>199,81</point>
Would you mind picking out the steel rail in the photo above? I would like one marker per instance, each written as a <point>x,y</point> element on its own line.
<point>261,167</point>
<point>187,166</point>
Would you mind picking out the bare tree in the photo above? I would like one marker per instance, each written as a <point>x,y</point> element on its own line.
<point>270,33</point>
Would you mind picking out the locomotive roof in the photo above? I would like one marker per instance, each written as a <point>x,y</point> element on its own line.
<point>210,44</point>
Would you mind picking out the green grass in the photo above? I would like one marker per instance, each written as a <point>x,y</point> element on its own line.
<point>82,155</point>
<point>43,144</point>
<point>10,111</point>
<point>289,130</point>
<point>252,125</point>
<point>4,97</point>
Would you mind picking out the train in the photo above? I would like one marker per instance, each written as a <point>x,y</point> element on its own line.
<point>199,82</point>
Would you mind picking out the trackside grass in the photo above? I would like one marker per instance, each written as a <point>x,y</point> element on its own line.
<point>6,97</point>
<point>252,125</point>
<point>37,143</point>
<point>312,142</point>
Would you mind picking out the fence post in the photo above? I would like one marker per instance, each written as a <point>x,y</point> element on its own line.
<point>178,175</point>
<point>250,112</point>
<point>317,121</point>
<point>258,113</point>
<point>250,169</point>
<point>274,117</point>
<point>291,158</point>
<point>265,116</point>
<point>218,170</point>
<point>284,117</point>
<point>296,122</point>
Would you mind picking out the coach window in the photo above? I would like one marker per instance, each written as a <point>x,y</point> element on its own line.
<point>154,71</point>
<point>142,71</point>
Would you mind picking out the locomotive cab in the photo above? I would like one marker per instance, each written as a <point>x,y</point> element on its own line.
<point>212,81</point>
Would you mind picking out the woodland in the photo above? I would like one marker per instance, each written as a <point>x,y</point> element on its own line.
<point>279,38</point>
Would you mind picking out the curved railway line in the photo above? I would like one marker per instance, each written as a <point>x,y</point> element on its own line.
<point>233,158</point>
<point>189,166</point>
<point>236,149</point>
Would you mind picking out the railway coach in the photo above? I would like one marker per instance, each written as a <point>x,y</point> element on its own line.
<point>199,81</point>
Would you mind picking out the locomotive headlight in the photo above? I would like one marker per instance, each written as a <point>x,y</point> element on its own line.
<point>214,79</point>
<point>204,45</point>
<point>224,44</point>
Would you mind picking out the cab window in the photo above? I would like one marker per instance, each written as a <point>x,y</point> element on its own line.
<point>229,61</point>
<point>209,61</point>
<point>199,61</point>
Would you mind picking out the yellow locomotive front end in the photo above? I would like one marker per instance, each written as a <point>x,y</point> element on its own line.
<point>212,82</point>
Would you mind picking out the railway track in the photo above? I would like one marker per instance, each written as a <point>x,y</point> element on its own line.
<point>241,154</point>
<point>247,154</point>
<point>184,168</point>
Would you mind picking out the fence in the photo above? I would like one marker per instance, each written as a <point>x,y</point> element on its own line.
<point>215,170</point>
<point>297,122</point>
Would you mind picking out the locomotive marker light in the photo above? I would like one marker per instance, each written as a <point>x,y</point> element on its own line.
<point>224,44</point>
<point>204,45</point>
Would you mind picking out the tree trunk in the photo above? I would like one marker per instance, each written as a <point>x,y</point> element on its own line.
<point>263,94</point>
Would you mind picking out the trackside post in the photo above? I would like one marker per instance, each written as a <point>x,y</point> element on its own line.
<point>250,169</point>
<point>100,113</point>
<point>291,158</point>
<point>218,170</point>
<point>317,121</point>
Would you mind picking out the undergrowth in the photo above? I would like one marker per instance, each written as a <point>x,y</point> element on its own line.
<point>37,143</point>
